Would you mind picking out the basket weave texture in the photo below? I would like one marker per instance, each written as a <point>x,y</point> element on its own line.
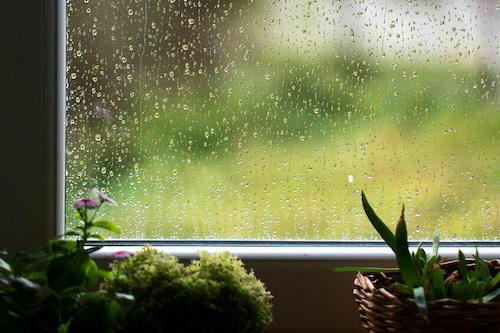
<point>381,310</point>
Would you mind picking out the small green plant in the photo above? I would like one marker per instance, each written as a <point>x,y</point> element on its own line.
<point>213,294</point>
<point>423,278</point>
<point>52,289</point>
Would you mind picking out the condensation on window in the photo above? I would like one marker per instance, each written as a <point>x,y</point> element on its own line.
<point>265,119</point>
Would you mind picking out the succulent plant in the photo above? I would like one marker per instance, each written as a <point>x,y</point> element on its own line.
<point>422,275</point>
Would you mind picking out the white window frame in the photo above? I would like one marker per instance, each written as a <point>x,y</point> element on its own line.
<point>308,299</point>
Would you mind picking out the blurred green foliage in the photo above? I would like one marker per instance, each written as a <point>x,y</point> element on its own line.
<point>268,157</point>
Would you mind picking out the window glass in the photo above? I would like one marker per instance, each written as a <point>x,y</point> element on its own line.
<point>265,119</point>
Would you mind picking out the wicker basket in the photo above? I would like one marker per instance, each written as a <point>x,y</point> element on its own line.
<point>381,310</point>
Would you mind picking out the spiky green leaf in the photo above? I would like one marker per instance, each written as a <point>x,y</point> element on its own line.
<point>462,266</point>
<point>494,281</point>
<point>481,267</point>
<point>378,224</point>
<point>437,283</point>
<point>435,244</point>
<point>403,257</point>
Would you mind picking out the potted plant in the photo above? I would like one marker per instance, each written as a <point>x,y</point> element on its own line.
<point>213,294</point>
<point>53,288</point>
<point>425,294</point>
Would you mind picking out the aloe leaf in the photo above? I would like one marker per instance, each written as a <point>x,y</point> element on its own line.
<point>494,281</point>
<point>420,260</point>
<point>481,267</point>
<point>471,289</point>
<point>435,244</point>
<point>363,269</point>
<point>462,266</point>
<point>403,257</point>
<point>491,296</point>
<point>421,253</point>
<point>457,290</point>
<point>438,282</point>
<point>378,224</point>
<point>419,295</point>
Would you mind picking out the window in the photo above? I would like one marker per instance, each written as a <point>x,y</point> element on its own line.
<point>264,119</point>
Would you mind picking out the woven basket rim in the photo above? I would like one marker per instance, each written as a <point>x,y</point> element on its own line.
<point>382,309</point>
<point>369,277</point>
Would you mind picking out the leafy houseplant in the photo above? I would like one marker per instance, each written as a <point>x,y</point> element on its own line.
<point>52,289</point>
<point>213,294</point>
<point>425,293</point>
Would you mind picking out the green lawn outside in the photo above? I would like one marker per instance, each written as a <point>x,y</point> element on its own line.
<point>283,152</point>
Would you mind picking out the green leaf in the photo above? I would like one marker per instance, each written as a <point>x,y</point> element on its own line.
<point>100,312</point>
<point>66,272</point>
<point>4,266</point>
<point>481,267</point>
<point>96,315</point>
<point>97,236</point>
<point>378,224</point>
<point>78,216</point>
<point>403,257</point>
<point>462,266</point>
<point>435,244</point>
<point>107,225</point>
<point>456,290</point>
<point>469,289</point>
<point>91,271</point>
<point>419,295</point>
<point>363,269</point>
<point>63,246</point>
<point>36,275</point>
<point>420,258</point>
<point>493,282</point>
<point>439,289</point>
<point>105,274</point>
<point>491,296</point>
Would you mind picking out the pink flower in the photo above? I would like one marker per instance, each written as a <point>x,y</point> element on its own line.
<point>88,203</point>
<point>103,197</point>
<point>121,255</point>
